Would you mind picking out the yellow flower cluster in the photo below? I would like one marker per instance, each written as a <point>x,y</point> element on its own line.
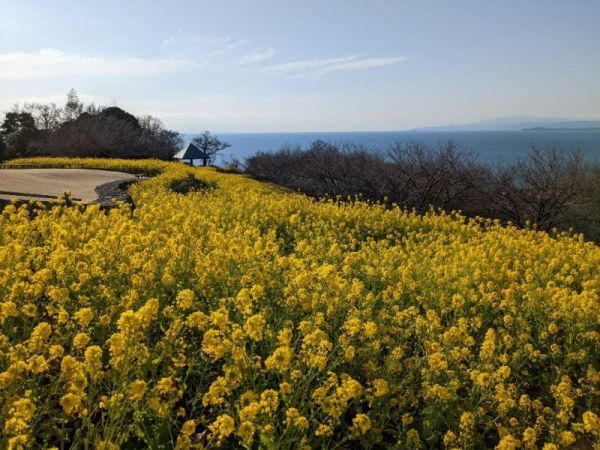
<point>247,316</point>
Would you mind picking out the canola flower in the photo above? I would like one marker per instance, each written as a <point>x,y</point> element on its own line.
<point>247,316</point>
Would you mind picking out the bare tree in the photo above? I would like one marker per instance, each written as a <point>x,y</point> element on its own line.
<point>419,177</point>
<point>546,189</point>
<point>209,144</point>
<point>156,137</point>
<point>47,117</point>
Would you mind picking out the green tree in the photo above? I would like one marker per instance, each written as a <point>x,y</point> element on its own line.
<point>2,149</point>
<point>15,121</point>
<point>18,131</point>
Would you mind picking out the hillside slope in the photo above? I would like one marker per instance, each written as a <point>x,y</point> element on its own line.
<point>241,315</point>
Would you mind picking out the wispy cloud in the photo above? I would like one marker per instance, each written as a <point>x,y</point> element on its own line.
<point>47,63</point>
<point>317,67</point>
<point>227,47</point>
<point>201,47</point>
<point>257,55</point>
<point>179,52</point>
<point>216,53</point>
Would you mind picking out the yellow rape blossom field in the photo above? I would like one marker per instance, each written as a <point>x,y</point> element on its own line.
<point>245,316</point>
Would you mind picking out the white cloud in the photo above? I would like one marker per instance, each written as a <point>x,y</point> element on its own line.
<point>257,55</point>
<point>316,67</point>
<point>55,63</point>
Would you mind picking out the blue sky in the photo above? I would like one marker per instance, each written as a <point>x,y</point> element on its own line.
<point>336,65</point>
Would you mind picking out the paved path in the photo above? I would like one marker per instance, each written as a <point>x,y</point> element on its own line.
<point>43,184</point>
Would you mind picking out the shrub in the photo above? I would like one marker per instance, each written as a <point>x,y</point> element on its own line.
<point>187,184</point>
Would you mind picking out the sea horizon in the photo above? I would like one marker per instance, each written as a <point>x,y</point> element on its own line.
<point>492,147</point>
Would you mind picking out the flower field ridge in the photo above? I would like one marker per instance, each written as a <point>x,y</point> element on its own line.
<point>243,315</point>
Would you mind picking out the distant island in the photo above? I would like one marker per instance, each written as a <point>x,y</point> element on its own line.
<point>521,123</point>
<point>561,129</point>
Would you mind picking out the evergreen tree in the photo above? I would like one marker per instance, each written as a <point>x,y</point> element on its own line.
<point>2,150</point>
<point>73,107</point>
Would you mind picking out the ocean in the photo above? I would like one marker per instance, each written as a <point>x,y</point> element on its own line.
<point>491,147</point>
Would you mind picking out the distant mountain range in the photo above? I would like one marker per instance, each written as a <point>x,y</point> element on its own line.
<point>521,123</point>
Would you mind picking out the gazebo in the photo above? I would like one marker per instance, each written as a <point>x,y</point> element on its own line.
<point>191,153</point>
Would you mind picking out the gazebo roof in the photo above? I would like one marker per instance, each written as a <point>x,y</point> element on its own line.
<point>191,152</point>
